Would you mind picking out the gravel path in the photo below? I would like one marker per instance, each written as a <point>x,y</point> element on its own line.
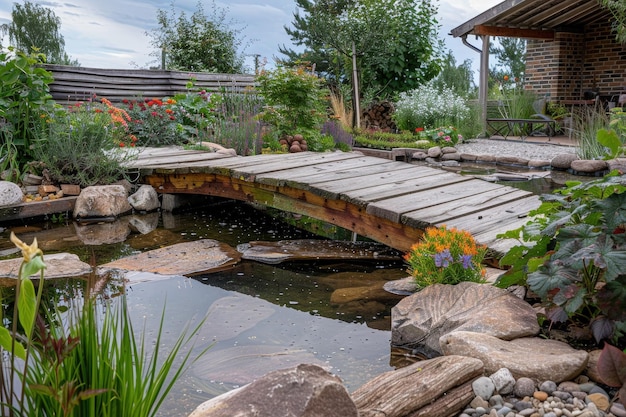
<point>528,150</point>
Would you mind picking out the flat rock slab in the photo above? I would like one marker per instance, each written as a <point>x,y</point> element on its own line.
<point>311,249</point>
<point>439,387</point>
<point>58,265</point>
<point>187,258</point>
<point>530,357</point>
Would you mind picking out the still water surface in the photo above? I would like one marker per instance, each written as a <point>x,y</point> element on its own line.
<point>259,317</point>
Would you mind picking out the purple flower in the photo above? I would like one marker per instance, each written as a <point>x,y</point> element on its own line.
<point>443,259</point>
<point>467,261</point>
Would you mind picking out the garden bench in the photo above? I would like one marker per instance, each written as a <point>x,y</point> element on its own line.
<point>528,127</point>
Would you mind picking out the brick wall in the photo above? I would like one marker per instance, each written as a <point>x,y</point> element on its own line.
<point>563,69</point>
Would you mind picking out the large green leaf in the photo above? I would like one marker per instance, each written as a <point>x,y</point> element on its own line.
<point>550,277</point>
<point>27,304</point>
<point>6,341</point>
<point>613,209</point>
<point>605,257</point>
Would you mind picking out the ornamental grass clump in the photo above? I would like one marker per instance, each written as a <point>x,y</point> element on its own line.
<point>446,256</point>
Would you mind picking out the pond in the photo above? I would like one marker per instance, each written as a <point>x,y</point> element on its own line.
<point>259,317</point>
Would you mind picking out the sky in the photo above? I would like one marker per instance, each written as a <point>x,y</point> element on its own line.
<point>112,33</point>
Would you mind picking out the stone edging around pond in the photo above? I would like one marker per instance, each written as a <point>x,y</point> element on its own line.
<point>450,156</point>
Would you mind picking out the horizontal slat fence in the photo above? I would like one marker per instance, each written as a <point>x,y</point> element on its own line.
<point>77,83</point>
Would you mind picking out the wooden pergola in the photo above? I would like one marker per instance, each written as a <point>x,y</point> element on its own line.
<point>529,19</point>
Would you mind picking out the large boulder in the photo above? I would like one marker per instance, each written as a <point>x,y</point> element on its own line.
<point>10,194</point>
<point>145,199</point>
<point>439,387</point>
<point>102,201</point>
<point>303,391</point>
<point>420,320</point>
<point>530,357</point>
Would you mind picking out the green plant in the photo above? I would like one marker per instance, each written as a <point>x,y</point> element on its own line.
<point>588,126</point>
<point>81,144</point>
<point>198,111</point>
<point>124,377</point>
<point>92,365</point>
<point>236,126</point>
<point>446,256</point>
<point>25,102</point>
<point>153,122</point>
<point>428,107</point>
<point>12,397</point>
<point>444,135</point>
<point>386,140</point>
<point>294,99</point>
<point>612,369</point>
<point>572,254</point>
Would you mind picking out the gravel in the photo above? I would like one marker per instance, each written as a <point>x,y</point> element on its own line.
<point>542,151</point>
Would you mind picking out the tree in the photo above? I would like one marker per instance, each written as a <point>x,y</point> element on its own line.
<point>511,56</point>
<point>34,27</point>
<point>198,43</point>
<point>618,10</point>
<point>459,79</point>
<point>395,41</point>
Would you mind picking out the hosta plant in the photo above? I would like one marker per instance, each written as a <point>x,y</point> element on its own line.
<point>572,254</point>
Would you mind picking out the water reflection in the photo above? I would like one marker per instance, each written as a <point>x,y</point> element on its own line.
<point>260,317</point>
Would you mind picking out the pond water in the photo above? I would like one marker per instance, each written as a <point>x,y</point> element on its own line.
<point>259,317</point>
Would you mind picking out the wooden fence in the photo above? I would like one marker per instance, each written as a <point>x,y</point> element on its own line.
<point>78,83</point>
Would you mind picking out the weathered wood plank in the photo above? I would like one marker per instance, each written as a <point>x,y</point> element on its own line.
<point>325,170</point>
<point>390,179</point>
<point>174,160</point>
<point>307,158</point>
<point>37,209</point>
<point>393,208</point>
<point>473,204</point>
<point>415,182</point>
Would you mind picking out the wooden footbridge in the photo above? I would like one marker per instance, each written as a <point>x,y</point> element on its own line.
<point>388,201</point>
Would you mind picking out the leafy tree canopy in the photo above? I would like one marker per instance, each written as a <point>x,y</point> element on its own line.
<point>199,43</point>
<point>395,41</point>
<point>34,27</point>
<point>511,57</point>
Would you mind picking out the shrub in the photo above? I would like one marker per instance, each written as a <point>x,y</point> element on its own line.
<point>446,256</point>
<point>81,144</point>
<point>385,140</point>
<point>25,103</point>
<point>294,99</point>
<point>572,254</point>
<point>428,107</point>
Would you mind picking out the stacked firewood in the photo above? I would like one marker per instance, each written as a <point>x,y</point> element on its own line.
<point>378,117</point>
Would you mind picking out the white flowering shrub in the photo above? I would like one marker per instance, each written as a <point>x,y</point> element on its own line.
<point>428,107</point>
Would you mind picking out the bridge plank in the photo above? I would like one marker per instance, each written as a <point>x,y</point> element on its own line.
<point>400,186</point>
<point>393,208</point>
<point>329,170</point>
<point>307,159</point>
<point>475,204</point>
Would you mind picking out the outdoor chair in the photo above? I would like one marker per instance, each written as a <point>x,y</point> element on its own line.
<point>539,106</point>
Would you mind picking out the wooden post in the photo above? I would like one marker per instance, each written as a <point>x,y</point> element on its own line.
<point>355,88</point>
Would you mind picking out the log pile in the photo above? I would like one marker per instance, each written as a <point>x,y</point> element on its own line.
<point>378,117</point>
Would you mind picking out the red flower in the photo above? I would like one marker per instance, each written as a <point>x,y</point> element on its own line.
<point>419,129</point>
<point>122,144</point>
